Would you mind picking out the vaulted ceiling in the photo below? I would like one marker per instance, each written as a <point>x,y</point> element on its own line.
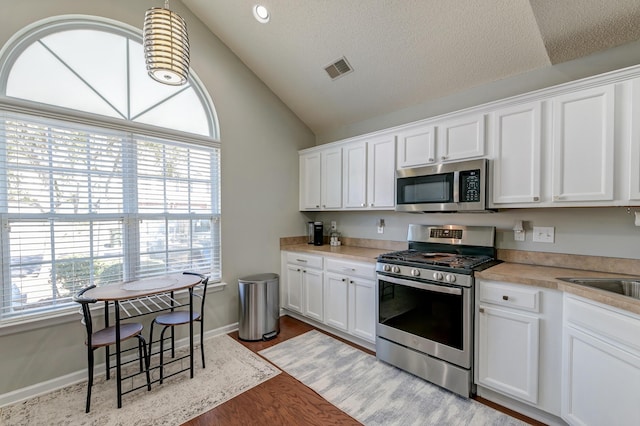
<point>406,52</point>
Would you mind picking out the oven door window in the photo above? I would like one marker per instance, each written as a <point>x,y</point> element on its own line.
<point>429,314</point>
<point>425,189</point>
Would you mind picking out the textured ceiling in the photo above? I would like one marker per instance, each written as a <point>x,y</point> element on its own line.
<point>406,52</point>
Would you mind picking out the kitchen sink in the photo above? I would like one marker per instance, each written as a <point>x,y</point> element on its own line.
<point>627,286</point>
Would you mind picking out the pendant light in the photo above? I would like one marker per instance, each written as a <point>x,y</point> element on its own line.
<point>166,45</point>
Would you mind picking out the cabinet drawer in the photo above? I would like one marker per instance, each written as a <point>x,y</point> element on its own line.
<point>355,269</point>
<point>509,295</point>
<point>307,260</point>
<point>612,324</point>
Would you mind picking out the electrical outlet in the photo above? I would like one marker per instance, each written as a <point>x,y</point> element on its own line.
<point>543,234</point>
<point>519,235</point>
<point>380,229</point>
<point>333,225</point>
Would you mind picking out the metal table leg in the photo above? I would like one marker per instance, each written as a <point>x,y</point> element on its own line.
<point>118,364</point>
<point>191,330</point>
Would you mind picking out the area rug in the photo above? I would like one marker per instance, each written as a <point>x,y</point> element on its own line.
<point>230,370</point>
<point>371,391</point>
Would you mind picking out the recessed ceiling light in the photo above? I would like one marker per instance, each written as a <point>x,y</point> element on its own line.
<point>261,14</point>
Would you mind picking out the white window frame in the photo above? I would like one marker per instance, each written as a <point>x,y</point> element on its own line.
<point>54,113</point>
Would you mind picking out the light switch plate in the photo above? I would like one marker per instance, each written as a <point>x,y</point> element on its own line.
<point>543,234</point>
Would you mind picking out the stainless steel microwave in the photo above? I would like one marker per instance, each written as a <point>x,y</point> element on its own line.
<point>448,187</point>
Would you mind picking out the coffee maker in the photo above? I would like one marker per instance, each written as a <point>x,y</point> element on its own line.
<point>318,234</point>
<point>315,233</point>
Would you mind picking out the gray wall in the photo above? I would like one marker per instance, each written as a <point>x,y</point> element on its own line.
<point>260,138</point>
<point>597,63</point>
<point>608,232</point>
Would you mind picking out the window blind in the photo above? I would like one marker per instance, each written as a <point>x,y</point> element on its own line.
<point>83,204</point>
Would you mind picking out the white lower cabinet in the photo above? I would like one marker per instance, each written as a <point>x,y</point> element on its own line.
<point>303,284</point>
<point>518,343</point>
<point>362,321</point>
<point>509,345</point>
<point>350,297</point>
<point>601,364</point>
<point>338,293</point>
<point>336,287</point>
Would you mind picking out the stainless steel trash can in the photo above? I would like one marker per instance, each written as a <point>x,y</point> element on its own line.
<point>259,316</point>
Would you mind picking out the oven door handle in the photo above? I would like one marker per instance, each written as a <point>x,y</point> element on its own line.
<point>422,286</point>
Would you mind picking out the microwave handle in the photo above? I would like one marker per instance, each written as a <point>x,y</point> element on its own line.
<point>456,187</point>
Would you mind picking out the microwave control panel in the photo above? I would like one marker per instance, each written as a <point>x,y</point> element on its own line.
<point>470,186</point>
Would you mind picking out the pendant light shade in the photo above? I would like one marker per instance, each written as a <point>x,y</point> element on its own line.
<point>166,46</point>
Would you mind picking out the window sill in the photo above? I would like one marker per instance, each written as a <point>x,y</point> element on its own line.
<point>70,315</point>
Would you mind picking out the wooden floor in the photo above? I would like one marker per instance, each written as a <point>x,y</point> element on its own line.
<point>283,400</point>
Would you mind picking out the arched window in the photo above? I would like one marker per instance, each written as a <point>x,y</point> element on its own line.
<point>105,174</point>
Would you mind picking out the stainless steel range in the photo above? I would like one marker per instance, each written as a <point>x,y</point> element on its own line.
<point>425,302</point>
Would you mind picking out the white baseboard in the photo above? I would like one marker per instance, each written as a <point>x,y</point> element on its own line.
<point>42,388</point>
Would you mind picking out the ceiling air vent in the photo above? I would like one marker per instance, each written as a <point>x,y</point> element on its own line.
<point>338,68</point>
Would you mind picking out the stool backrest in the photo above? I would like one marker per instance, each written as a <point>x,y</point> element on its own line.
<point>86,311</point>
<point>203,290</point>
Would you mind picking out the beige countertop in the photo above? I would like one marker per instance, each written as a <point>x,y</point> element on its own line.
<point>359,254</point>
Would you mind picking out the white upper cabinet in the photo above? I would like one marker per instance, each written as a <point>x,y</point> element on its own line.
<point>310,181</point>
<point>583,145</point>
<point>457,139</point>
<point>355,175</point>
<point>517,134</point>
<point>332,178</point>
<point>321,179</point>
<point>381,172</point>
<point>369,173</point>
<point>416,146</point>
<point>576,144</point>
<point>634,157</point>
<point>461,138</point>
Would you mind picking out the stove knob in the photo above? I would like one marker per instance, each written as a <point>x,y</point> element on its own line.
<point>415,272</point>
<point>437,276</point>
<point>386,268</point>
<point>450,278</point>
<point>395,269</point>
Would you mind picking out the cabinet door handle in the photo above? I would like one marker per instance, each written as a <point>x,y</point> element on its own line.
<point>505,297</point>
<point>351,282</point>
<point>371,205</point>
<point>431,160</point>
<point>481,310</point>
<point>344,279</point>
<point>536,198</point>
<point>301,260</point>
<point>363,205</point>
<point>298,269</point>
